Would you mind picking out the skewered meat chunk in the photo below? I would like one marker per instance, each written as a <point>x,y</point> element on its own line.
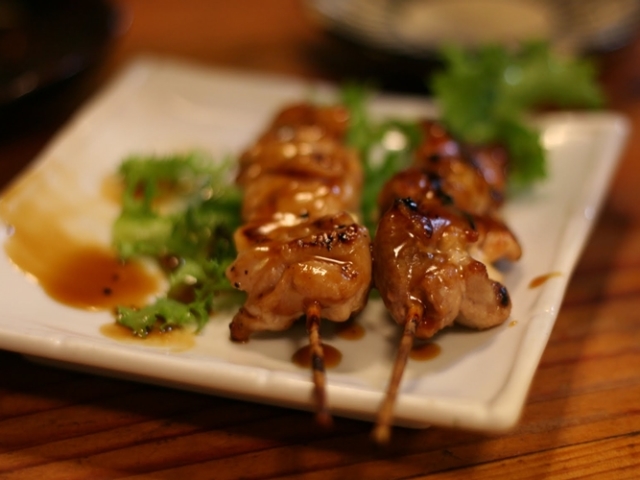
<point>437,238</point>
<point>300,168</point>
<point>286,268</point>
<point>331,120</point>
<point>302,154</point>
<point>489,161</point>
<point>448,173</point>
<point>422,268</point>
<point>447,180</point>
<point>299,178</point>
<point>297,172</point>
<point>300,252</point>
<point>299,129</point>
<point>495,241</point>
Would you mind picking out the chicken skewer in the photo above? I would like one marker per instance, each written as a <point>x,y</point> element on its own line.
<point>319,268</point>
<point>424,249</point>
<point>301,254</point>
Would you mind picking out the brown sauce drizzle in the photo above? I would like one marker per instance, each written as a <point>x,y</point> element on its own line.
<point>90,277</point>
<point>177,340</point>
<point>302,356</point>
<point>350,330</point>
<point>94,278</point>
<point>74,271</point>
<point>541,279</point>
<point>425,351</point>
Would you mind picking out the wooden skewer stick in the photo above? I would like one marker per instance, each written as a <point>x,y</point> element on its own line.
<point>323,416</point>
<point>382,431</point>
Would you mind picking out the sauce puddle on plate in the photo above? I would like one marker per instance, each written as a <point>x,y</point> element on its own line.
<point>94,278</point>
<point>349,330</point>
<point>542,279</point>
<point>45,221</point>
<point>82,276</point>
<point>302,356</point>
<point>177,340</point>
<point>425,351</point>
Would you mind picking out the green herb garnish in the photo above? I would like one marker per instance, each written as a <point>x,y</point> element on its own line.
<point>181,211</point>
<point>385,147</point>
<point>485,95</point>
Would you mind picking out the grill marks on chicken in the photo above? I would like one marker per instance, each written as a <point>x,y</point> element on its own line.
<point>300,252</point>
<point>422,265</point>
<point>488,161</point>
<point>440,224</point>
<point>285,268</point>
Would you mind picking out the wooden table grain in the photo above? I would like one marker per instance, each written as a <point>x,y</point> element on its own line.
<point>582,416</point>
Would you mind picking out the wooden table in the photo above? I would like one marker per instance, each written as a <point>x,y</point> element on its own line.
<point>582,417</point>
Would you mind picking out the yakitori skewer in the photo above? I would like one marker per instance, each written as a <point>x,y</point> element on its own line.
<point>301,253</point>
<point>439,221</point>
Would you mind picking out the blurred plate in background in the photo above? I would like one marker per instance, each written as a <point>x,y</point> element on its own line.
<point>417,28</point>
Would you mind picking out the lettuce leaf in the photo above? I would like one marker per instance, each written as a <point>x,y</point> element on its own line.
<point>181,211</point>
<point>485,97</point>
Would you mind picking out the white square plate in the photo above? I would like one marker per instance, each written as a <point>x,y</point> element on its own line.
<point>480,379</point>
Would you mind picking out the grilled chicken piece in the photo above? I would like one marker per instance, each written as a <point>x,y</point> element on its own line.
<point>422,267</point>
<point>495,240</point>
<point>284,269</point>
<point>447,173</point>
<point>301,168</point>
<point>298,256</point>
<point>447,180</point>
<point>330,120</point>
<point>489,161</point>
<point>299,178</point>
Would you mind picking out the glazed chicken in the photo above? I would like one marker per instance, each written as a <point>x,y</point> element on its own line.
<point>489,161</point>
<point>472,179</point>
<point>284,269</point>
<point>300,251</point>
<point>435,243</point>
<point>424,271</point>
<point>300,184</point>
<point>299,168</point>
<point>299,177</point>
<point>331,120</point>
<point>493,239</point>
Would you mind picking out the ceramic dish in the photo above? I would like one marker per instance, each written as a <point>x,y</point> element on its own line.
<point>479,380</point>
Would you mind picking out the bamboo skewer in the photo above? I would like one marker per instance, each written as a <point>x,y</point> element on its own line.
<point>382,430</point>
<point>323,416</point>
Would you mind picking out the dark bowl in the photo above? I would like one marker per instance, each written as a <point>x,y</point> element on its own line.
<point>43,42</point>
